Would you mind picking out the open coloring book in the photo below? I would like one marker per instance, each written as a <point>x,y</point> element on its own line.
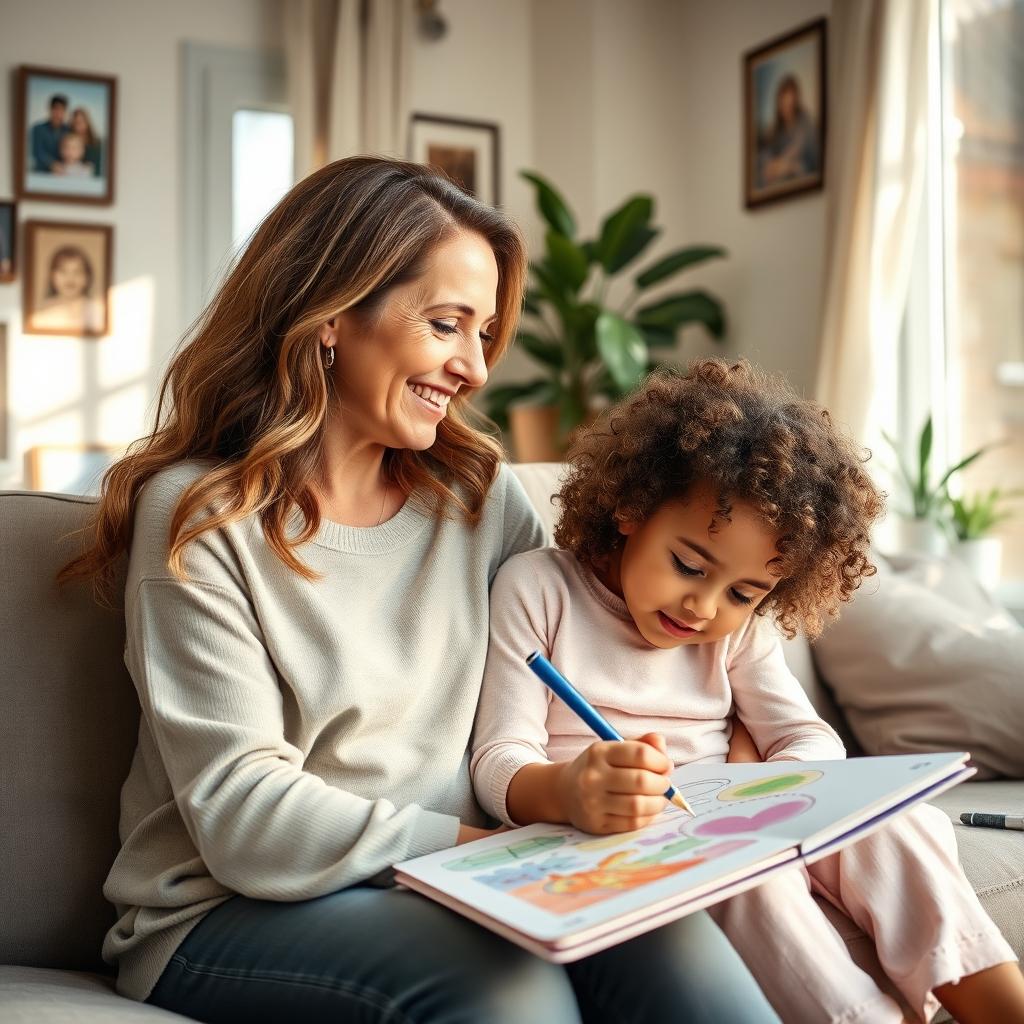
<point>564,894</point>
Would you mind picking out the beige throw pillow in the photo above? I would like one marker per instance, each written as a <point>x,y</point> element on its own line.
<point>923,660</point>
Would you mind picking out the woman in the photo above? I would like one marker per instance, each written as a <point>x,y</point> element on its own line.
<point>81,125</point>
<point>313,529</point>
<point>791,148</point>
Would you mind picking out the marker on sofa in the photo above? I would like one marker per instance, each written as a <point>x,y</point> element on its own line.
<point>561,687</point>
<point>1015,821</point>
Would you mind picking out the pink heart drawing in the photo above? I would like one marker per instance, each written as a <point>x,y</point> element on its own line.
<point>732,824</point>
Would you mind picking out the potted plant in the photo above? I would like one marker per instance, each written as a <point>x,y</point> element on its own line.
<point>922,523</point>
<point>971,519</point>
<point>588,350</point>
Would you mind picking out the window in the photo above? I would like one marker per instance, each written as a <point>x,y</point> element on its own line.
<point>261,168</point>
<point>982,68</point>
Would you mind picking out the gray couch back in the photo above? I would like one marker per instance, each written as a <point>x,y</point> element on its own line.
<point>68,725</point>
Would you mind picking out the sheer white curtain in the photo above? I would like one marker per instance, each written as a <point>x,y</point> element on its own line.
<point>880,63</point>
<point>348,75</point>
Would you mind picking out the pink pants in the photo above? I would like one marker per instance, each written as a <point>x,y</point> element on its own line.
<point>903,887</point>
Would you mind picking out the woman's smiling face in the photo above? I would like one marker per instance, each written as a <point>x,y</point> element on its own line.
<point>395,376</point>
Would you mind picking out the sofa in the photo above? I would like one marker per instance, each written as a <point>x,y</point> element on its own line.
<point>68,722</point>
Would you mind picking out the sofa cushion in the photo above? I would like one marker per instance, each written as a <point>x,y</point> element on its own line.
<point>921,660</point>
<point>68,730</point>
<point>34,995</point>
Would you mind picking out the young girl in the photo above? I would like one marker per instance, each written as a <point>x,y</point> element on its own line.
<point>700,509</point>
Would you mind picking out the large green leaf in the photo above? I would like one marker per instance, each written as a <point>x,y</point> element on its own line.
<point>543,350</point>
<point>567,260</point>
<point>684,308</point>
<point>531,302</point>
<point>635,243</point>
<point>552,206</point>
<point>620,229</point>
<point>658,337</point>
<point>676,261</point>
<point>622,348</point>
<point>579,323</point>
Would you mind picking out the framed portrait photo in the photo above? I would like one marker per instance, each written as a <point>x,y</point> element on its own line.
<point>8,241</point>
<point>784,115</point>
<point>467,151</point>
<point>67,276</point>
<point>69,468</point>
<point>64,127</point>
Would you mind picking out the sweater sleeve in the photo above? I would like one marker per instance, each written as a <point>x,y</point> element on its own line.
<point>511,720</point>
<point>772,704</point>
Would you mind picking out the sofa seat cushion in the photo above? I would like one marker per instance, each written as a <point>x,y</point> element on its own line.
<point>38,995</point>
<point>992,858</point>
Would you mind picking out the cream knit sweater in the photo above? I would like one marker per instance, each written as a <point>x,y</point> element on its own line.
<point>296,737</point>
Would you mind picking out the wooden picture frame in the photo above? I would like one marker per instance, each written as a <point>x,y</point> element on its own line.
<point>69,468</point>
<point>8,241</point>
<point>67,278</point>
<point>785,115</point>
<point>81,170</point>
<point>469,152</point>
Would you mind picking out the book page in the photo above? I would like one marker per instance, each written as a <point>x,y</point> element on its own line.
<point>552,881</point>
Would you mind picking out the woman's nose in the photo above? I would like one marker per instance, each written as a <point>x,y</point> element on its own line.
<point>469,363</point>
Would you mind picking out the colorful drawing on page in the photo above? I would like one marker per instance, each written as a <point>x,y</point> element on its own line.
<point>612,876</point>
<point>771,812</point>
<point>506,879</point>
<point>497,855</point>
<point>772,786</point>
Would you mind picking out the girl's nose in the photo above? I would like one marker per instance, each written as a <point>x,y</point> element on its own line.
<point>700,605</point>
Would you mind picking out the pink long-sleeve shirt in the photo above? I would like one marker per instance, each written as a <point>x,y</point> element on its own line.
<point>547,600</point>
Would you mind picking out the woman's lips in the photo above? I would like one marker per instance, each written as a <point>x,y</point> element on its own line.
<point>676,629</point>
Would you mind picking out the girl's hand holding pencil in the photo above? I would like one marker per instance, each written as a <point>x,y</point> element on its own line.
<point>615,786</point>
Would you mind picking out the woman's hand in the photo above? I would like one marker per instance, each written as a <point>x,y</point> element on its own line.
<point>741,746</point>
<point>615,786</point>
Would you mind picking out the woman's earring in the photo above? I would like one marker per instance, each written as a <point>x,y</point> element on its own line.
<point>328,356</point>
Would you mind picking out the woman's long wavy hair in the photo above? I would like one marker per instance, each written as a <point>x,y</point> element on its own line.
<point>248,389</point>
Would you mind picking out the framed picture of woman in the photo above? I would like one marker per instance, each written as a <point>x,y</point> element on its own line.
<point>67,277</point>
<point>64,127</point>
<point>785,114</point>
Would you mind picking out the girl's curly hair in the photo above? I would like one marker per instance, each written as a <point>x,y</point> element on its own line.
<point>748,435</point>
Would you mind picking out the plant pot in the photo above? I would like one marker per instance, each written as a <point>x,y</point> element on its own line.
<point>534,430</point>
<point>982,556</point>
<point>921,537</point>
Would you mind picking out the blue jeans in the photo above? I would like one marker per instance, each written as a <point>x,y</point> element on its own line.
<point>390,955</point>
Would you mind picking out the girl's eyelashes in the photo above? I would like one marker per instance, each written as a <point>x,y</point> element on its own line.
<point>683,568</point>
<point>688,570</point>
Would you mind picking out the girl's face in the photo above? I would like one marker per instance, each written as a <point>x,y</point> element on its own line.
<point>395,378</point>
<point>684,584</point>
<point>69,277</point>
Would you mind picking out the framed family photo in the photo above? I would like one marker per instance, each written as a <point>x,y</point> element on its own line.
<point>67,278</point>
<point>69,468</point>
<point>784,115</point>
<point>8,241</point>
<point>64,128</point>
<point>467,151</point>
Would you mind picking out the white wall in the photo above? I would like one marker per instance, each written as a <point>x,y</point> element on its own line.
<point>69,389</point>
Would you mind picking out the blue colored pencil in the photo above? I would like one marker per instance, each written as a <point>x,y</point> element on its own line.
<point>561,687</point>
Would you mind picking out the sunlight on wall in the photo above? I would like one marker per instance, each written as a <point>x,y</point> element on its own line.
<point>75,391</point>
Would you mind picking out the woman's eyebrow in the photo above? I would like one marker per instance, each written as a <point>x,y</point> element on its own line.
<point>760,584</point>
<point>460,306</point>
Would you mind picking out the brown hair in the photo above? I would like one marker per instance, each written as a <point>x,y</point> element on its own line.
<point>749,436</point>
<point>249,390</point>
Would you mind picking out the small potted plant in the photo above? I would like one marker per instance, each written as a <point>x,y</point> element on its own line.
<point>588,350</point>
<point>922,522</point>
<point>971,520</point>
